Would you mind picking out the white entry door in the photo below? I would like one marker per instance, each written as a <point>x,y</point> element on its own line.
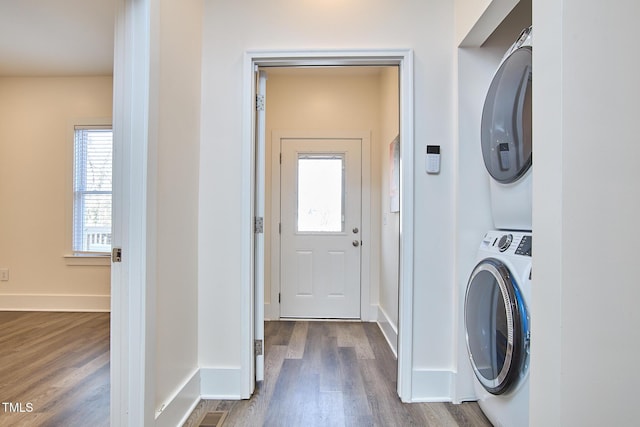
<point>320,216</point>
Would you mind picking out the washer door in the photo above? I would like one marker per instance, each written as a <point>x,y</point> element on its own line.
<point>497,326</point>
<point>506,119</point>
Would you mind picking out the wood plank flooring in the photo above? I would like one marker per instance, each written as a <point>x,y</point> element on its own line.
<point>333,374</point>
<point>54,369</point>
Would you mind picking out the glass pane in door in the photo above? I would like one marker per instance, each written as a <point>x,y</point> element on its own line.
<point>320,198</point>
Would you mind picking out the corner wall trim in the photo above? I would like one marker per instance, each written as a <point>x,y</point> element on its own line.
<point>221,383</point>
<point>389,330</point>
<point>53,302</point>
<point>178,408</point>
<point>432,385</point>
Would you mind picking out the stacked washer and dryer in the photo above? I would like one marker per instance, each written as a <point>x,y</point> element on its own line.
<point>499,287</point>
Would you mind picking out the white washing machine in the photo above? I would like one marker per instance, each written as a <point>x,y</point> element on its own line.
<point>506,137</point>
<point>496,321</point>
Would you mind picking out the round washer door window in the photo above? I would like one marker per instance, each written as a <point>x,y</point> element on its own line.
<point>506,119</point>
<point>496,325</point>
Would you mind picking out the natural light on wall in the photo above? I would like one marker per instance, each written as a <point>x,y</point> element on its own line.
<point>320,193</point>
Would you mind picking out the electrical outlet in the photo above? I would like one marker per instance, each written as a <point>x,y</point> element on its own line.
<point>4,274</point>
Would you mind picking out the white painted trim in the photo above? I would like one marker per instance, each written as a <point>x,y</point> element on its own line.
<point>222,383</point>
<point>405,300</point>
<point>260,210</point>
<point>88,260</point>
<point>53,302</point>
<point>247,279</point>
<point>389,330</point>
<point>69,172</point>
<point>366,314</point>
<point>177,409</point>
<point>272,307</point>
<point>129,316</point>
<point>367,232</point>
<point>432,385</point>
<point>401,57</point>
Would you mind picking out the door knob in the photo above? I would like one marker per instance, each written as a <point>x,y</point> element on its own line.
<point>356,243</point>
<point>355,230</point>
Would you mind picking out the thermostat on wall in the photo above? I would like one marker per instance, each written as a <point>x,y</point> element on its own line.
<point>433,159</point>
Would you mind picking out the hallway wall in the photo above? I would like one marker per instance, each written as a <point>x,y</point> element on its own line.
<point>230,29</point>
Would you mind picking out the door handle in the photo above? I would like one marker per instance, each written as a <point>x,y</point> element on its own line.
<point>356,243</point>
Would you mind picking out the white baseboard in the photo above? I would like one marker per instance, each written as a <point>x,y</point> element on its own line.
<point>389,330</point>
<point>432,385</point>
<point>221,383</point>
<point>177,409</point>
<point>271,311</point>
<point>54,302</point>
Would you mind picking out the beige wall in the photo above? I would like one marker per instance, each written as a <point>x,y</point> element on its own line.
<point>390,221</point>
<point>36,144</point>
<point>328,100</point>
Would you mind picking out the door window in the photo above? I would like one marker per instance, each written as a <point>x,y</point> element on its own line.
<point>495,327</point>
<point>320,193</point>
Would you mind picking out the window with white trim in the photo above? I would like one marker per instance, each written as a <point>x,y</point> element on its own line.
<point>92,177</point>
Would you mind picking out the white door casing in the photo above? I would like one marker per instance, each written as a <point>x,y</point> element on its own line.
<point>404,59</point>
<point>261,92</point>
<point>320,211</point>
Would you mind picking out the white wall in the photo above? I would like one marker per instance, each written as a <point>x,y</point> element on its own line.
<point>174,139</point>
<point>586,210</point>
<point>37,116</point>
<point>475,20</point>
<point>231,28</point>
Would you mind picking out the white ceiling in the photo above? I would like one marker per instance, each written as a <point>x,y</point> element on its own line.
<point>56,37</point>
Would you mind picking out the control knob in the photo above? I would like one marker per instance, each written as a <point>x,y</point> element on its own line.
<point>505,242</point>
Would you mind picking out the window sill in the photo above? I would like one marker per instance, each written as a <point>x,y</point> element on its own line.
<point>96,260</point>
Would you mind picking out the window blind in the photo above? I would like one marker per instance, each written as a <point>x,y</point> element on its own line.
<point>92,179</point>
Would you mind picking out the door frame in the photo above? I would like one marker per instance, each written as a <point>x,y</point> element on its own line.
<point>403,58</point>
<point>131,372</point>
<point>366,313</point>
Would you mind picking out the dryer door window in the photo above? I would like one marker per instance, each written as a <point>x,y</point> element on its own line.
<point>496,325</point>
<point>506,119</point>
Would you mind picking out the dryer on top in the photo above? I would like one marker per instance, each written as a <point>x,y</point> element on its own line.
<point>506,137</point>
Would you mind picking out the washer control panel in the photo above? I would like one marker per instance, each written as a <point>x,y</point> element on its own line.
<point>524,248</point>
<point>509,243</point>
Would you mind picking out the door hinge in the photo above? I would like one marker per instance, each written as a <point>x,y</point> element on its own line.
<point>279,299</point>
<point>280,158</point>
<point>258,226</point>
<point>260,102</point>
<point>116,255</point>
<point>257,347</point>
<point>279,228</point>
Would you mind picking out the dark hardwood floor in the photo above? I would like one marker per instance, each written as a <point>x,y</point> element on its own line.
<point>54,369</point>
<point>332,374</point>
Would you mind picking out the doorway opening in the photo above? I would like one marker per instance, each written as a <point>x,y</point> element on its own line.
<point>282,67</point>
